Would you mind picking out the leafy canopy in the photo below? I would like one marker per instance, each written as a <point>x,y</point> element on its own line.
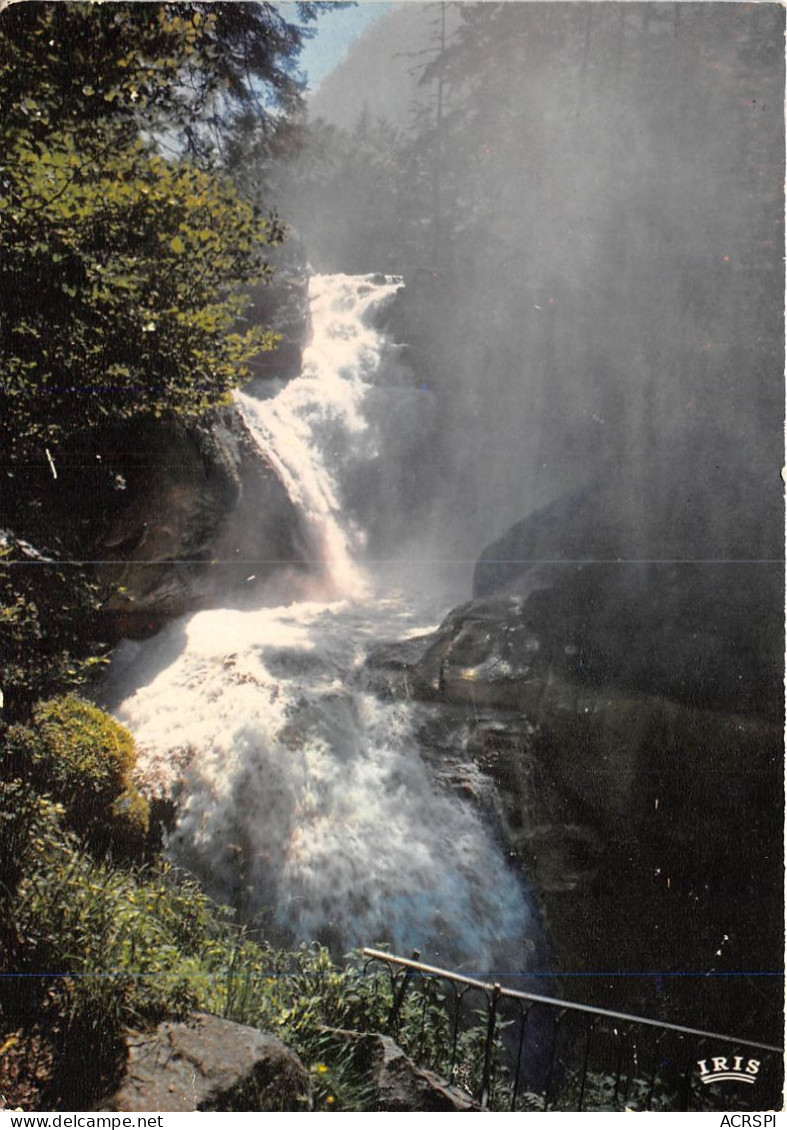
<point>124,246</point>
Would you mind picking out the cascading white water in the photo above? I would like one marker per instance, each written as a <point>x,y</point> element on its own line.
<point>303,798</point>
<point>314,429</point>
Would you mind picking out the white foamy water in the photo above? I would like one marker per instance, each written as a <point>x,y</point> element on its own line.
<point>314,430</point>
<point>304,800</point>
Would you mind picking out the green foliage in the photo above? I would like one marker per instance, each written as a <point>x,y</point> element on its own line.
<point>29,828</point>
<point>84,759</point>
<point>192,69</point>
<point>134,947</point>
<point>118,275</point>
<point>126,253</point>
<point>103,949</point>
<point>45,611</point>
<point>118,948</point>
<point>125,249</point>
<point>602,1092</point>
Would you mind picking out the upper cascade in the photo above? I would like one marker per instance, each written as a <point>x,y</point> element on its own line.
<point>314,430</point>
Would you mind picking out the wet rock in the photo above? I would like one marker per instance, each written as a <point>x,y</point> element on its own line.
<point>204,515</point>
<point>608,752</point>
<point>209,1064</point>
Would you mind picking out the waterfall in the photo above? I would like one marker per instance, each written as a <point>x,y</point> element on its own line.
<point>305,801</point>
<point>315,428</point>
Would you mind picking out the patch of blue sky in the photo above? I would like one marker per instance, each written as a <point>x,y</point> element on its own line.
<point>336,32</point>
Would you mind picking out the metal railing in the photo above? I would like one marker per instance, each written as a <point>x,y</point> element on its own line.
<point>530,1051</point>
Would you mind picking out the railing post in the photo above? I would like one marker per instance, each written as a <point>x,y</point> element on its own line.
<point>399,996</point>
<point>523,1018</point>
<point>589,1025</point>
<point>486,1077</point>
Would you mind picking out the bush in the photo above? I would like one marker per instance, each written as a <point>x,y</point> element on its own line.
<point>47,609</point>
<point>102,949</point>
<point>83,758</point>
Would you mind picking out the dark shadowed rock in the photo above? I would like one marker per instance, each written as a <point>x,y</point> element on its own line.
<point>605,750</point>
<point>209,1064</point>
<point>205,515</point>
<point>704,632</point>
<point>281,306</point>
<point>576,529</point>
<point>392,1082</point>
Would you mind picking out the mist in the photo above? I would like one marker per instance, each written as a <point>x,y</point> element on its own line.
<point>586,208</point>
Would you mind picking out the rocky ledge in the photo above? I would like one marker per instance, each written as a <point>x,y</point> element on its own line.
<point>204,515</point>
<point>630,719</point>
<point>206,1063</point>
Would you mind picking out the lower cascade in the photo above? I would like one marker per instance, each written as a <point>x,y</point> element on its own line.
<point>304,800</point>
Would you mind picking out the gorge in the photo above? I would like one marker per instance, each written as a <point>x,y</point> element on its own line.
<point>330,787</point>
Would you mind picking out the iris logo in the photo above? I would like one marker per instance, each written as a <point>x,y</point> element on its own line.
<point>726,1069</point>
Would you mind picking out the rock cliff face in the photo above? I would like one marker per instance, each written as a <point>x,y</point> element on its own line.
<point>630,719</point>
<point>703,632</point>
<point>204,516</point>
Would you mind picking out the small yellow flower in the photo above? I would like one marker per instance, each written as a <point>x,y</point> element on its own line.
<point>330,1099</point>
<point>321,1068</point>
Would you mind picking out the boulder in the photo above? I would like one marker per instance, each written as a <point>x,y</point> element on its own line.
<point>209,1064</point>
<point>391,1080</point>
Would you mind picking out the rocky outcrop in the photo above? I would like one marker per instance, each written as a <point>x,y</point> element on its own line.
<point>209,1064</point>
<point>196,511</point>
<point>205,515</point>
<point>630,720</point>
<point>621,763</point>
<point>390,1079</point>
<point>704,632</point>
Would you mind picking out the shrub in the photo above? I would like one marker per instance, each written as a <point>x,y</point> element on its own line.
<point>83,758</point>
<point>46,612</point>
<point>102,949</point>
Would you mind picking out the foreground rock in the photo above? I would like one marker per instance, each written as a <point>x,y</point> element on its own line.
<point>210,1064</point>
<point>390,1079</point>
